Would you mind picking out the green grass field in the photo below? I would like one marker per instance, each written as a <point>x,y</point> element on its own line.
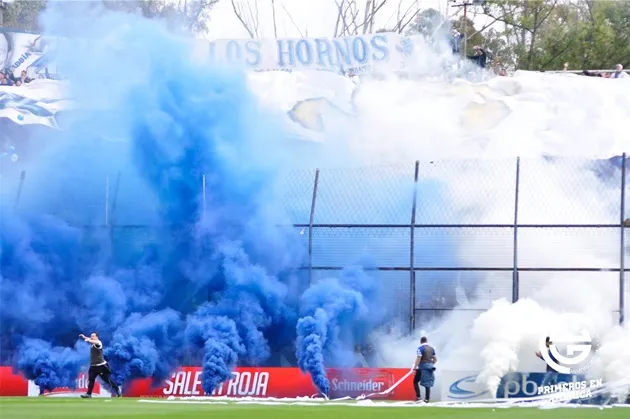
<point>43,408</point>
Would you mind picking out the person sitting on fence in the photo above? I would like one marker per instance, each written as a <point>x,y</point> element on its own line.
<point>619,73</point>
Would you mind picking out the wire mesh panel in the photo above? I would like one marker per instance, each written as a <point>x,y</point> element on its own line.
<point>466,192</point>
<point>466,290</point>
<point>340,246</point>
<point>572,291</point>
<point>568,191</point>
<point>295,190</point>
<point>568,248</point>
<point>463,247</point>
<point>374,195</point>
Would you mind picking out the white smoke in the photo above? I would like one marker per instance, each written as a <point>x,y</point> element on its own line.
<point>528,115</point>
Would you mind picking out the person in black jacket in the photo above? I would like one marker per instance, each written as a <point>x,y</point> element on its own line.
<point>98,366</point>
<point>479,57</point>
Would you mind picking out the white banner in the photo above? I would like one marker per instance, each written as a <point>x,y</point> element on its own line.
<point>26,52</point>
<point>38,101</point>
<point>460,386</point>
<point>364,52</point>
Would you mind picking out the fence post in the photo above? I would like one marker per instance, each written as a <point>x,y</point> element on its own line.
<point>18,194</point>
<point>111,219</point>
<point>106,200</point>
<point>203,194</point>
<point>515,279</point>
<point>622,240</point>
<point>310,228</point>
<point>412,272</point>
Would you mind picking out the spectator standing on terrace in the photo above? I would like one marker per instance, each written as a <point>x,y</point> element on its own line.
<point>425,369</point>
<point>619,73</point>
<point>456,39</point>
<point>6,79</point>
<point>25,78</point>
<point>479,57</point>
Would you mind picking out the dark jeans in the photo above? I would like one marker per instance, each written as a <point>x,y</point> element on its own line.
<point>106,375</point>
<point>550,379</point>
<point>416,387</point>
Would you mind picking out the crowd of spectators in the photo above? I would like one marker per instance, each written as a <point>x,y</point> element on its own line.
<point>7,78</point>
<point>619,73</point>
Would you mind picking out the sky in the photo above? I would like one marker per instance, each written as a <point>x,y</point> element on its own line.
<point>313,18</point>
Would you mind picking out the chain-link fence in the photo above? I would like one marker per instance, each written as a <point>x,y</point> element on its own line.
<point>448,235</point>
<point>456,235</point>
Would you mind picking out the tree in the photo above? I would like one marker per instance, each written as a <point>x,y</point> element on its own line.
<point>349,21</point>
<point>22,14</point>
<point>248,16</point>
<point>474,36</point>
<point>523,21</point>
<point>188,16</point>
<point>543,34</point>
<point>427,23</point>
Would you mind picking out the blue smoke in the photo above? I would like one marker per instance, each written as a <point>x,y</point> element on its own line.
<point>183,275</point>
<point>190,271</point>
<point>337,314</point>
<point>50,367</point>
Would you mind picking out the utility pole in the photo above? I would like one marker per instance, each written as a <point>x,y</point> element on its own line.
<point>465,4</point>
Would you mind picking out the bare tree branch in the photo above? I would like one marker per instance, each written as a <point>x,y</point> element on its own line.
<point>342,16</point>
<point>238,11</point>
<point>292,21</point>
<point>273,13</point>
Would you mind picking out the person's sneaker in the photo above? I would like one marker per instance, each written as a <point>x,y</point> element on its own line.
<point>118,392</point>
<point>426,401</point>
<point>86,396</point>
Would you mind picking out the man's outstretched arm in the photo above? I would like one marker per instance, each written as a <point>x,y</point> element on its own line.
<point>90,340</point>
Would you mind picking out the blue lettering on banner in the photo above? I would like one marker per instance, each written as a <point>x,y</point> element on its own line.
<point>233,52</point>
<point>254,55</point>
<point>360,50</point>
<point>304,52</point>
<point>20,61</point>
<point>323,47</point>
<point>342,51</point>
<point>285,52</point>
<point>379,44</point>
<point>316,53</point>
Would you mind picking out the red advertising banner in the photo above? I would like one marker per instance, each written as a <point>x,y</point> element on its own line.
<point>281,383</point>
<point>12,385</point>
<point>247,382</point>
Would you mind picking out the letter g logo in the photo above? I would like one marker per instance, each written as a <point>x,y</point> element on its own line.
<point>578,349</point>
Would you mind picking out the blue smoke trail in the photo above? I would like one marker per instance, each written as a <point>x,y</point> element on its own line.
<point>50,367</point>
<point>337,314</point>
